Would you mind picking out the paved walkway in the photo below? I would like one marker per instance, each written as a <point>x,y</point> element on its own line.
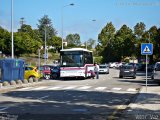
<point>146,105</point>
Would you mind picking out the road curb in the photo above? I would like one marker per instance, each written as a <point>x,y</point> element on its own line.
<point>124,106</point>
<point>14,87</point>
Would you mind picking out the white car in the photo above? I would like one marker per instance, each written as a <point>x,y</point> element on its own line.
<point>104,68</point>
<point>112,64</point>
<point>118,65</point>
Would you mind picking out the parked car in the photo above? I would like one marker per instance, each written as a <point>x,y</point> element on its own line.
<point>55,71</point>
<point>104,68</point>
<point>127,71</point>
<point>119,64</point>
<point>156,73</point>
<point>31,72</point>
<point>45,71</point>
<point>50,71</point>
<point>142,67</point>
<point>133,64</point>
<point>112,64</point>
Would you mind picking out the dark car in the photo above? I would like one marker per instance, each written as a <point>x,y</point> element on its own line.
<point>55,72</point>
<point>156,73</point>
<point>127,71</point>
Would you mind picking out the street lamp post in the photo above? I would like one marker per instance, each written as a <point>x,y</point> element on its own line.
<point>62,19</point>
<point>12,28</point>
<point>86,35</point>
<point>86,44</point>
<point>149,36</point>
<point>45,47</point>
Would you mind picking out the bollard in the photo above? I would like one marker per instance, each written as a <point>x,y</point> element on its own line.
<point>1,85</point>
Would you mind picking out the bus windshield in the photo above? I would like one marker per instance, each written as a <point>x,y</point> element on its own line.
<point>72,59</point>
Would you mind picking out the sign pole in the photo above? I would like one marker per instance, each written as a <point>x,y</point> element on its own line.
<point>146,72</point>
<point>146,49</point>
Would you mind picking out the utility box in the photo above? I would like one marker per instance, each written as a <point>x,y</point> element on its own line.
<point>11,69</point>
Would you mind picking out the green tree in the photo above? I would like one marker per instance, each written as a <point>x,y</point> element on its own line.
<point>35,34</point>
<point>157,46</point>
<point>73,40</point>
<point>25,44</point>
<point>152,38</point>
<point>139,29</point>
<point>26,40</point>
<point>56,42</point>
<point>124,42</point>
<point>45,23</point>
<point>106,42</point>
<point>90,43</point>
<point>5,41</point>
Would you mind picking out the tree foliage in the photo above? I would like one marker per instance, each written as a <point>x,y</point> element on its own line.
<point>90,43</point>
<point>45,24</point>
<point>115,45</point>
<point>139,29</point>
<point>56,42</point>
<point>73,40</point>
<point>5,41</point>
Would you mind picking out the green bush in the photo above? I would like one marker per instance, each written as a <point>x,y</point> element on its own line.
<point>98,59</point>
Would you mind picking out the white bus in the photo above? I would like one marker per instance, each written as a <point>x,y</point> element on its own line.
<point>76,62</point>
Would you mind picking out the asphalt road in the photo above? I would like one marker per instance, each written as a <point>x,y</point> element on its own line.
<point>90,99</point>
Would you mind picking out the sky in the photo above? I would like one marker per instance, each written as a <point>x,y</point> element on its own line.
<point>86,17</point>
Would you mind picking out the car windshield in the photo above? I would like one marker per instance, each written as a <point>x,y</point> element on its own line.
<point>102,66</point>
<point>127,67</point>
<point>158,67</point>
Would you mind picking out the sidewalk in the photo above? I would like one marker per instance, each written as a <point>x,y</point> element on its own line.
<point>145,107</point>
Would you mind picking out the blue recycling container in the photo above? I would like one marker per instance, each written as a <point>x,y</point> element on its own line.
<point>12,69</point>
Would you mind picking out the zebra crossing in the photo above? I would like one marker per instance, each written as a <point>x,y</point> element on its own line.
<point>78,88</point>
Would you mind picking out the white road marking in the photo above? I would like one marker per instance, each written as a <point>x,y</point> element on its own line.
<point>131,89</point>
<point>69,87</point>
<point>116,88</point>
<point>25,89</point>
<point>84,87</point>
<point>43,97</point>
<point>54,88</point>
<point>100,88</point>
<point>4,108</point>
<point>39,88</point>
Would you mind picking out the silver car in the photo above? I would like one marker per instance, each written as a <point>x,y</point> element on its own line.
<point>156,74</point>
<point>104,68</point>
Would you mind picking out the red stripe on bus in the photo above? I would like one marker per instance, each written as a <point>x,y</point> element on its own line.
<point>69,68</point>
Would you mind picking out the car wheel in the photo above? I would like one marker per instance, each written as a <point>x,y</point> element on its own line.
<point>120,76</point>
<point>152,77</point>
<point>31,78</point>
<point>134,77</point>
<point>47,77</point>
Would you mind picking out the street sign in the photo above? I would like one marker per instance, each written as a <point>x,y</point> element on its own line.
<point>45,56</point>
<point>146,48</point>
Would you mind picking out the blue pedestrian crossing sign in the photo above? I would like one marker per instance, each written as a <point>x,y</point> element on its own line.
<point>146,48</point>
